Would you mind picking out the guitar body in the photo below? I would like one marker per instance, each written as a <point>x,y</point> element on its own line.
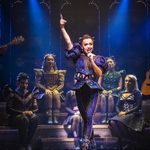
<point>146,84</point>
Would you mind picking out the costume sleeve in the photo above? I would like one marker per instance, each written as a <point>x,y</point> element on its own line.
<point>61,80</point>
<point>75,52</point>
<point>38,79</point>
<point>101,62</point>
<point>10,107</point>
<point>34,106</point>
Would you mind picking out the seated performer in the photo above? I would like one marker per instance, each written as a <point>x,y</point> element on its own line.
<point>22,107</point>
<point>129,120</point>
<point>112,84</point>
<point>50,81</point>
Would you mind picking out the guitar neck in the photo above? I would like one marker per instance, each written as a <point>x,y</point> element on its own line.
<point>146,84</point>
<point>9,44</point>
<point>15,41</point>
<point>6,45</point>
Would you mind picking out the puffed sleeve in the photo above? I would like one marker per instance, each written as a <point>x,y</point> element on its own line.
<point>75,52</point>
<point>101,62</point>
<point>34,106</point>
<point>38,78</point>
<point>61,79</point>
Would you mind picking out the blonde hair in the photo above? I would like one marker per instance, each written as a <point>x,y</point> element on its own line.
<point>134,81</point>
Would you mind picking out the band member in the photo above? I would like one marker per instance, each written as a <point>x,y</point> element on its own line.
<point>128,120</point>
<point>22,107</point>
<point>112,84</point>
<point>50,81</point>
<point>89,67</point>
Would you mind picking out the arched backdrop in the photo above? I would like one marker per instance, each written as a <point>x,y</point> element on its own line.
<point>121,29</point>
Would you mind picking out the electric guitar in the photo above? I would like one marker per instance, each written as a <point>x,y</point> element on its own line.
<point>15,41</point>
<point>146,84</point>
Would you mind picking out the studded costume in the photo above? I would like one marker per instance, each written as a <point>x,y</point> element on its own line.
<point>50,79</point>
<point>20,101</point>
<point>86,86</point>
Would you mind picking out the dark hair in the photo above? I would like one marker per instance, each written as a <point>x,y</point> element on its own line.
<point>112,58</point>
<point>22,76</point>
<point>46,55</point>
<point>44,65</point>
<point>85,36</point>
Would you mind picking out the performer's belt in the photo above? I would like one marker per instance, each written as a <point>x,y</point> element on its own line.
<point>83,76</point>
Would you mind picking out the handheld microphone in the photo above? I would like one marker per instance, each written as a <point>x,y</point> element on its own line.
<point>89,54</point>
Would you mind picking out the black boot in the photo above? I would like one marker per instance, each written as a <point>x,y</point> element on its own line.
<point>93,145</point>
<point>86,144</point>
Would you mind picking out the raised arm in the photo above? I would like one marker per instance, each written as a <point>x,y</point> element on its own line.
<point>65,34</point>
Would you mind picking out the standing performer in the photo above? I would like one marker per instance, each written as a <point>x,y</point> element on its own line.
<point>88,67</point>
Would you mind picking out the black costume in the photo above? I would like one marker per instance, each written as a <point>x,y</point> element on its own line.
<point>127,125</point>
<point>19,102</point>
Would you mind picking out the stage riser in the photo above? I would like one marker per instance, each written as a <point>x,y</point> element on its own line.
<point>102,132</point>
<point>58,138</point>
<point>50,131</point>
<point>46,131</point>
<point>3,114</point>
<point>69,144</point>
<point>55,144</point>
<point>43,118</point>
<point>9,139</point>
<point>45,135</point>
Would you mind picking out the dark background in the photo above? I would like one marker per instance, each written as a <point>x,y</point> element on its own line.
<point>42,34</point>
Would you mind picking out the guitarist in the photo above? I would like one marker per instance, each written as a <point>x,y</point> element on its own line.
<point>22,108</point>
<point>145,89</point>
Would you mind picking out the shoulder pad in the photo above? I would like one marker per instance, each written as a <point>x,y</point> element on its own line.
<point>62,71</point>
<point>38,71</point>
